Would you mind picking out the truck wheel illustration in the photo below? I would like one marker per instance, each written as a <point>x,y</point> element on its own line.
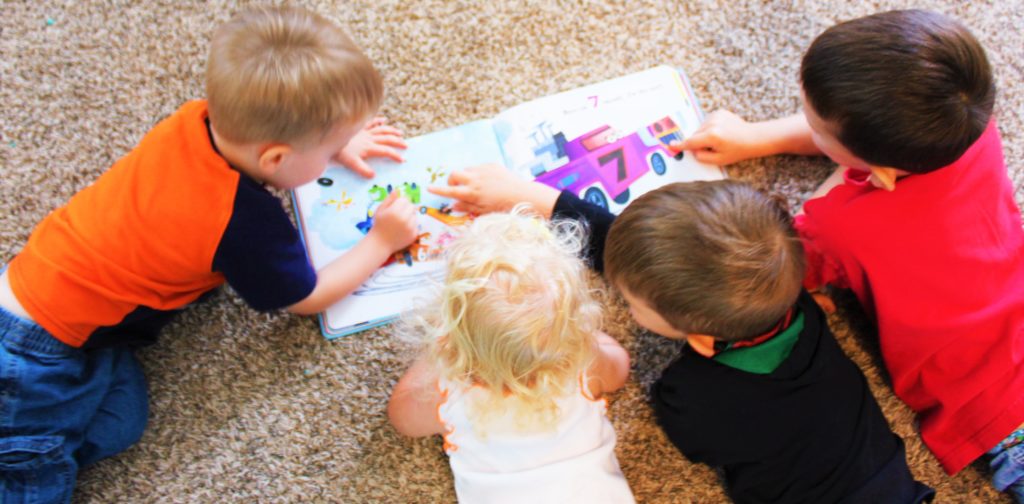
<point>623,197</point>
<point>596,196</point>
<point>658,163</point>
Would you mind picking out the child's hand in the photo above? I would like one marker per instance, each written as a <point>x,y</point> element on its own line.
<point>376,139</point>
<point>724,138</point>
<point>492,188</point>
<point>394,223</point>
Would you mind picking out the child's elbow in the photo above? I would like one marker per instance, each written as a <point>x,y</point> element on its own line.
<point>620,378</point>
<point>619,374</point>
<point>398,418</point>
<point>308,306</point>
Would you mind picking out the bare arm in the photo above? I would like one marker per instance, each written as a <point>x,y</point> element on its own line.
<point>788,135</point>
<point>492,188</point>
<point>610,369</point>
<point>726,138</point>
<point>412,409</point>
<point>394,228</point>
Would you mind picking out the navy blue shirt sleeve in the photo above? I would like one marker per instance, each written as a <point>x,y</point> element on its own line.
<point>261,254</point>
<point>597,219</point>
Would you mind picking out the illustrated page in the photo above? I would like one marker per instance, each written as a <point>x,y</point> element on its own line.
<point>607,142</point>
<point>337,211</point>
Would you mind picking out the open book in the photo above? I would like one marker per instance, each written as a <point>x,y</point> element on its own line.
<point>606,142</point>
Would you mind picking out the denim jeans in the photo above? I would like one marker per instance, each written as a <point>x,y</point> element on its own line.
<point>1007,464</point>
<point>61,408</point>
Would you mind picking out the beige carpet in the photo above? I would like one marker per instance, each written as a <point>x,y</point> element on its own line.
<point>248,407</point>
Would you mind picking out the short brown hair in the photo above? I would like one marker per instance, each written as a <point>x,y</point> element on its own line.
<point>285,74</point>
<point>908,89</point>
<point>717,258</point>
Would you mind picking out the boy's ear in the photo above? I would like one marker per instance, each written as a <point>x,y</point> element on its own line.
<point>271,159</point>
<point>884,178</point>
<point>702,344</point>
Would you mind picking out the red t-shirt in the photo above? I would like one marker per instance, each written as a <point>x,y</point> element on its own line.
<point>940,263</point>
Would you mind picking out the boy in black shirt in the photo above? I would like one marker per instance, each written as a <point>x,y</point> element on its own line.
<point>762,388</point>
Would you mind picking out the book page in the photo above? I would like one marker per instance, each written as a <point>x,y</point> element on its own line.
<point>606,142</point>
<point>336,211</point>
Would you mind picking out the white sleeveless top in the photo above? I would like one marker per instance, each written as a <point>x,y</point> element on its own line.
<point>572,462</point>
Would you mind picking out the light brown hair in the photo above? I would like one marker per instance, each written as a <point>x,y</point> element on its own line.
<point>285,75</point>
<point>908,89</point>
<point>717,258</point>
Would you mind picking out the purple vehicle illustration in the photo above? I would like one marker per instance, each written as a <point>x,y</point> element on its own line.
<point>602,166</point>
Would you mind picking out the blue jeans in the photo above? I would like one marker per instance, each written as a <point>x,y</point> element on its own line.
<point>1008,465</point>
<point>61,408</point>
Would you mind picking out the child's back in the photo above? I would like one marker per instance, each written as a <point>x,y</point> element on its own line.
<point>572,460</point>
<point>808,431</point>
<point>515,371</point>
<point>762,389</point>
<point>940,263</point>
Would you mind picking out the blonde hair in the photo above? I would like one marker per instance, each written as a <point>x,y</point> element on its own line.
<point>285,75</point>
<point>515,316</point>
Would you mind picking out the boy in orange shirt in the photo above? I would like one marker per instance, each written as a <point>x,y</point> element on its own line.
<point>183,213</point>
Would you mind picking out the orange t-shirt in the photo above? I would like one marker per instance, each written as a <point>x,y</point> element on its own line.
<point>145,234</point>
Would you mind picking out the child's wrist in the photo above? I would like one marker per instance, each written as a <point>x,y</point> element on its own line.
<point>542,198</point>
<point>769,139</point>
<point>378,244</point>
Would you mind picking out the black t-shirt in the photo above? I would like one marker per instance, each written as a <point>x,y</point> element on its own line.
<point>810,431</point>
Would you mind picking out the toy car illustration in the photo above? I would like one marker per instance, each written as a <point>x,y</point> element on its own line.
<point>603,166</point>
<point>419,251</point>
<point>444,215</point>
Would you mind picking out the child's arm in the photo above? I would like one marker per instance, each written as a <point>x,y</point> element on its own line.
<point>610,369</point>
<point>492,188</point>
<point>726,138</point>
<point>412,409</point>
<point>394,228</point>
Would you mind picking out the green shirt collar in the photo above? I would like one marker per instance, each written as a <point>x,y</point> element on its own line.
<point>765,357</point>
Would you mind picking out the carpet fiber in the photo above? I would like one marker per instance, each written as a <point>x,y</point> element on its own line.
<point>251,407</point>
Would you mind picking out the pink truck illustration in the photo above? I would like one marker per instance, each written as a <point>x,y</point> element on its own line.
<point>603,166</point>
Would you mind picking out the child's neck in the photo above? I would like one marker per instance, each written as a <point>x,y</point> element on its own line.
<point>705,344</point>
<point>885,178</point>
<point>241,157</point>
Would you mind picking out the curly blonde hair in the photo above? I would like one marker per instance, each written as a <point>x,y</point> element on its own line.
<point>515,316</point>
<point>287,75</point>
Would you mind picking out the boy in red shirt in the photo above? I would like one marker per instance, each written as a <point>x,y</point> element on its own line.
<point>186,211</point>
<point>919,221</point>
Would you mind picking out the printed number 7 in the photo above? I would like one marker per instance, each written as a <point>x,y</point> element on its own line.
<point>593,99</point>
<point>619,157</point>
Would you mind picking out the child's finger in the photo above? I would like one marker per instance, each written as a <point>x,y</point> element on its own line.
<point>467,208</point>
<point>461,177</point>
<point>706,156</point>
<point>456,192</point>
<point>384,152</point>
<point>696,142</point>
<point>388,201</point>
<point>384,129</point>
<point>359,166</point>
<point>376,121</point>
<point>390,140</point>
